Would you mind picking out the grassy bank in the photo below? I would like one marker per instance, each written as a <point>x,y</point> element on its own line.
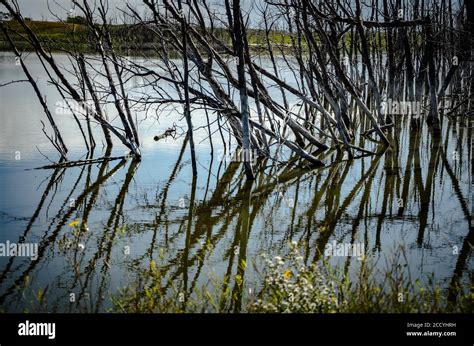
<point>58,36</point>
<point>135,40</point>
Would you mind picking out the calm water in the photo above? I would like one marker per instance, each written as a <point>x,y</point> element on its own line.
<point>410,206</point>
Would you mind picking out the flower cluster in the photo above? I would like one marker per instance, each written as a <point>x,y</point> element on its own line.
<point>291,286</point>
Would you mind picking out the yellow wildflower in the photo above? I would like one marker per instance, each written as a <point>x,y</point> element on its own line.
<point>74,223</point>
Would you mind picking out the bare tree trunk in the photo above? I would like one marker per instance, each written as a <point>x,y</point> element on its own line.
<point>187,106</point>
<point>244,103</point>
<point>95,98</point>
<point>433,118</point>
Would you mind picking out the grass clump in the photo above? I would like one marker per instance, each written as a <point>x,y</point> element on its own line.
<point>291,286</point>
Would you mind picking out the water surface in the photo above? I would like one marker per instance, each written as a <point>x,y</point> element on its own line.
<point>409,206</point>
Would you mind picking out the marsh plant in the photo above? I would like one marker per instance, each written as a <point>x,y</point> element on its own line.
<point>289,285</point>
<point>153,293</point>
<point>292,286</point>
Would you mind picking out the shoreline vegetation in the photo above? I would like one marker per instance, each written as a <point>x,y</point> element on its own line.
<point>60,36</point>
<point>70,36</point>
<point>289,285</point>
<point>285,284</point>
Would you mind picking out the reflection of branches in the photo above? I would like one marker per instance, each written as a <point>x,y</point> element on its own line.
<point>51,238</point>
<point>163,196</point>
<point>52,181</point>
<point>217,228</point>
<point>425,195</point>
<point>105,244</point>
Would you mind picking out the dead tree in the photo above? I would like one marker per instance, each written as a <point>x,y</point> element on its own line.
<point>235,21</point>
<point>205,59</point>
<point>66,87</point>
